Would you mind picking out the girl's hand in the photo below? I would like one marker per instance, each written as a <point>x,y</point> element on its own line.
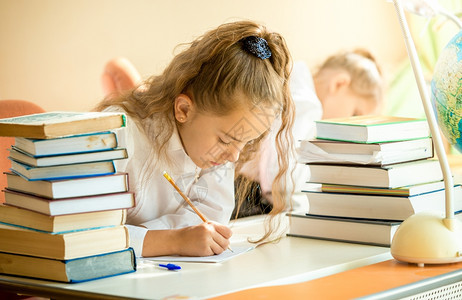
<point>202,240</point>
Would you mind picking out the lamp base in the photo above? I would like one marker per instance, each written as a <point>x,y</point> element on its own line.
<point>428,238</point>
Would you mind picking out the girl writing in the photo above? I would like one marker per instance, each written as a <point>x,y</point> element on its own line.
<point>200,120</point>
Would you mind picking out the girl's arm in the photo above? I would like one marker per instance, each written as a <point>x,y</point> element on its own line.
<point>161,224</point>
<point>199,240</point>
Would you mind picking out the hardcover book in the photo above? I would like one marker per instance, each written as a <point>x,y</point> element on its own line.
<point>29,219</point>
<point>57,124</point>
<point>70,270</point>
<point>339,152</point>
<point>62,246</point>
<point>72,144</point>
<point>372,129</point>
<point>56,207</point>
<point>69,188</point>
<point>390,176</point>
<point>63,171</point>
<point>66,159</point>
<point>385,207</point>
<point>353,230</point>
<point>410,190</point>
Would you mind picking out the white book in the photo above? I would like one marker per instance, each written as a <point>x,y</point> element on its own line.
<point>383,207</point>
<point>57,207</point>
<point>339,152</point>
<point>390,176</point>
<point>69,188</point>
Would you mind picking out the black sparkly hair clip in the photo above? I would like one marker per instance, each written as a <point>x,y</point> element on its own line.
<point>257,46</point>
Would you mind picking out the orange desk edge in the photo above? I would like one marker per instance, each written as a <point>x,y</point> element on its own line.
<point>350,284</point>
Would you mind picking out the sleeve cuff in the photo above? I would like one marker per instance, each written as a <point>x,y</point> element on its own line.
<point>137,234</point>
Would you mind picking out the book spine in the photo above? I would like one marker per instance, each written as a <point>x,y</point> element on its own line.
<point>56,232</point>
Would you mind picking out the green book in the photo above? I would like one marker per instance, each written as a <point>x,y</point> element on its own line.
<point>372,129</point>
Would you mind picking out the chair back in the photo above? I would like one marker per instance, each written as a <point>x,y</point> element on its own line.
<point>8,109</point>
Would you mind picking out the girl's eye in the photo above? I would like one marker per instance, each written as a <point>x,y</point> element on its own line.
<point>223,142</point>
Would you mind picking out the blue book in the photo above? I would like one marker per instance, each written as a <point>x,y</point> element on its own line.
<point>63,171</point>
<point>82,143</point>
<point>71,270</point>
<point>66,159</point>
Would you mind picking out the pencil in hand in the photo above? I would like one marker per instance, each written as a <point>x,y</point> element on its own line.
<point>204,219</point>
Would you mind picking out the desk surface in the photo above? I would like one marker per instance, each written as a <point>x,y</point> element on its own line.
<point>384,280</point>
<point>291,260</point>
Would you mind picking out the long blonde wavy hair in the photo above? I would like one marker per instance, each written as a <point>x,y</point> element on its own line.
<point>366,74</point>
<point>212,69</point>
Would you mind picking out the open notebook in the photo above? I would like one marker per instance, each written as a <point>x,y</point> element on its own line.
<point>237,250</point>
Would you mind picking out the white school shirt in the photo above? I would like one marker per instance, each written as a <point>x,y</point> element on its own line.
<point>158,205</point>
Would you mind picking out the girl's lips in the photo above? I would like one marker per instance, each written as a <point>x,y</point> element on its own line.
<point>214,163</point>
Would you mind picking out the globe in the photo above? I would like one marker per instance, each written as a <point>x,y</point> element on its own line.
<point>446,91</point>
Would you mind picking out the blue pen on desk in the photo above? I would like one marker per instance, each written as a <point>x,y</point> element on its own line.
<point>171,267</point>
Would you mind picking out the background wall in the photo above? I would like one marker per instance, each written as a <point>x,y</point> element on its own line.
<point>53,51</point>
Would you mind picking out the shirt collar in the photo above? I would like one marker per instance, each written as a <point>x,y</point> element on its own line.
<point>175,141</point>
<point>178,152</point>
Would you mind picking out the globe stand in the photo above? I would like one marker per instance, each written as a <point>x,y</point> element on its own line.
<point>428,238</point>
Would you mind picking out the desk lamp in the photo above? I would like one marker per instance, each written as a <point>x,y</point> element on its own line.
<point>428,238</point>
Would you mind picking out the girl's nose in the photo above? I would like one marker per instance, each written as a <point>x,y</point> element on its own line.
<point>233,152</point>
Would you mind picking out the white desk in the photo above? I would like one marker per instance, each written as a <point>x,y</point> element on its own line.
<point>290,260</point>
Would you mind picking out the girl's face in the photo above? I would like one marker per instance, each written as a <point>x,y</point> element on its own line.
<point>333,88</point>
<point>211,140</point>
<point>347,104</point>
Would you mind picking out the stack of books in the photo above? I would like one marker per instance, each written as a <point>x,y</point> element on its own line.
<point>367,175</point>
<point>65,203</point>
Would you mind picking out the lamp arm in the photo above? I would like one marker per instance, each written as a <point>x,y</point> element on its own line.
<point>451,17</point>
<point>434,129</point>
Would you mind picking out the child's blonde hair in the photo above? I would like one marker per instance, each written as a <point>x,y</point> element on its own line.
<point>366,75</point>
<point>213,69</point>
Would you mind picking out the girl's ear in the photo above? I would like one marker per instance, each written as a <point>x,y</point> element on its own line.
<point>184,108</point>
<point>339,81</point>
